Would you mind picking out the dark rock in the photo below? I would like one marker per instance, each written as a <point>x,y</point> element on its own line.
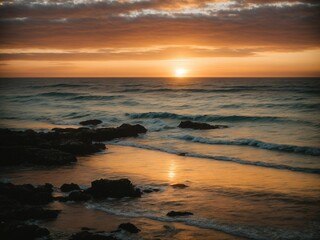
<point>199,126</point>
<point>14,155</point>
<point>182,154</point>
<point>178,214</point>
<point>85,235</point>
<point>87,229</point>
<point>147,191</point>
<point>150,190</point>
<point>58,146</point>
<point>104,188</point>
<point>78,196</point>
<point>129,227</point>
<point>17,231</point>
<point>27,194</point>
<point>20,212</point>
<point>179,185</point>
<point>69,187</point>
<point>80,148</point>
<point>125,130</point>
<point>47,187</point>
<point>60,199</point>
<point>91,122</point>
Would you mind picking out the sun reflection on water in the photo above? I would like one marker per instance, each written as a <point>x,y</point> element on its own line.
<point>172,170</point>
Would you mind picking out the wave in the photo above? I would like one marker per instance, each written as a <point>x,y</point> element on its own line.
<point>241,230</point>
<point>58,94</point>
<point>76,115</point>
<point>96,97</point>
<point>233,89</point>
<point>220,158</point>
<point>61,85</point>
<point>212,118</point>
<point>294,106</point>
<point>254,143</point>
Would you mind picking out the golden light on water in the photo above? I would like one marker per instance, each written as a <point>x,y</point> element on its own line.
<point>172,170</point>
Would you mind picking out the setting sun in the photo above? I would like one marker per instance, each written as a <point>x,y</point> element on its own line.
<point>180,72</point>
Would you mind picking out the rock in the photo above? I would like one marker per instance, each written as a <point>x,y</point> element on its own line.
<point>87,229</point>
<point>19,212</point>
<point>11,231</point>
<point>59,146</point>
<point>179,185</point>
<point>69,187</point>
<point>125,130</point>
<point>27,194</point>
<point>178,214</point>
<point>80,148</point>
<point>199,126</point>
<point>105,188</point>
<point>129,227</point>
<point>147,191</point>
<point>150,190</point>
<point>85,235</point>
<point>90,122</point>
<point>14,155</point>
<point>182,154</point>
<point>78,196</point>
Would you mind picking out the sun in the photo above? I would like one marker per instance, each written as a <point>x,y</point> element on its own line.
<point>180,72</point>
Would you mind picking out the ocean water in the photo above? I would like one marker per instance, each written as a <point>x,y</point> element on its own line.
<point>260,176</point>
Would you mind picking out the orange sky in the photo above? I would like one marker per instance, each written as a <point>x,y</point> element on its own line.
<point>80,38</point>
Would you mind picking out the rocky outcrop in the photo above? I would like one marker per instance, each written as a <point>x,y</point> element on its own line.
<point>199,126</point>
<point>105,188</point>
<point>68,187</point>
<point>16,231</point>
<point>92,122</point>
<point>17,155</point>
<point>19,203</point>
<point>128,227</point>
<point>85,235</point>
<point>59,146</point>
<point>178,214</point>
<point>27,193</point>
<point>179,185</point>
<point>78,196</point>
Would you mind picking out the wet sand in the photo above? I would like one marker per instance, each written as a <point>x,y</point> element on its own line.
<point>239,199</point>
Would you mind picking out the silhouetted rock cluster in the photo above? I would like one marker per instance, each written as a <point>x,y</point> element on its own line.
<point>86,235</point>
<point>92,122</point>
<point>68,187</point>
<point>59,146</point>
<point>105,188</point>
<point>179,185</point>
<point>129,227</point>
<point>19,203</point>
<point>17,231</point>
<point>199,126</point>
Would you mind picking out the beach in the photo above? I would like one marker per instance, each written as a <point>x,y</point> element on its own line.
<point>245,169</point>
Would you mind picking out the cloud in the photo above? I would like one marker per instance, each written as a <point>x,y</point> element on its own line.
<point>234,27</point>
<point>154,53</point>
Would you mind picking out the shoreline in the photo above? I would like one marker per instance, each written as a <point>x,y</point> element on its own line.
<point>120,162</point>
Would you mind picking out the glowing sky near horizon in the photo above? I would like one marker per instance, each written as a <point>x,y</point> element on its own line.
<point>156,37</point>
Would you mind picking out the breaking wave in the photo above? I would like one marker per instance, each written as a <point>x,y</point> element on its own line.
<point>220,158</point>
<point>254,143</point>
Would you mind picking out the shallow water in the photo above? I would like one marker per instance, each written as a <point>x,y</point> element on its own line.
<point>243,201</point>
<point>272,123</point>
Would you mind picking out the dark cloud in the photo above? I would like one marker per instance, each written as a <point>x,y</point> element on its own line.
<point>251,24</point>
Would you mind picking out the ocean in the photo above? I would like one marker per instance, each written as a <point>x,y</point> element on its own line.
<point>257,179</point>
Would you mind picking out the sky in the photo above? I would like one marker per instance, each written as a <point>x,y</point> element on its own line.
<point>159,38</point>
